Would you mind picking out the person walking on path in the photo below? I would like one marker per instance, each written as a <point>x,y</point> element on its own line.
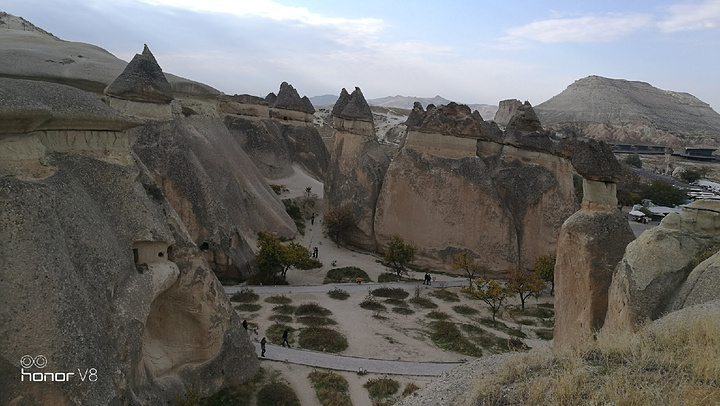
<point>285,338</point>
<point>312,219</point>
<point>245,325</point>
<point>262,346</point>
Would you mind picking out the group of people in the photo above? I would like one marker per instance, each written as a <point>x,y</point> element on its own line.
<point>428,279</point>
<point>263,342</point>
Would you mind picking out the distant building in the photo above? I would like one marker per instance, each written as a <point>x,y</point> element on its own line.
<point>637,149</point>
<point>698,154</point>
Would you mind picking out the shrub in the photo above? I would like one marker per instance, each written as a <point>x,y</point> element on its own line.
<point>423,302</point>
<point>280,318</point>
<point>395,293</point>
<point>245,295</point>
<point>447,336</point>
<point>445,295</point>
<point>277,394</point>
<point>379,388</point>
<point>389,277</point>
<point>322,339</point>
<point>284,309</point>
<point>345,275</point>
<point>278,299</point>
<point>371,304</point>
<point>438,315</point>
<point>339,222</point>
<point>410,388</point>
<point>465,310</point>
<point>545,334</point>
<point>338,294</point>
<point>331,388</point>
<point>312,309</point>
<point>248,307</point>
<point>403,310</point>
<point>316,321</point>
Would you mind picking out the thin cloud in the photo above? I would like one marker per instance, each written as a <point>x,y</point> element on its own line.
<point>692,16</point>
<point>580,29</point>
<point>351,27</point>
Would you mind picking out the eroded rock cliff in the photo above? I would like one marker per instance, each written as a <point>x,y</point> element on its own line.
<point>459,183</point>
<point>100,277</point>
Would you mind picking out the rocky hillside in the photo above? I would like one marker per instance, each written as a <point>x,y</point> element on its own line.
<point>631,112</point>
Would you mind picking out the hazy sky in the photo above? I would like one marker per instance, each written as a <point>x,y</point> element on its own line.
<point>469,51</point>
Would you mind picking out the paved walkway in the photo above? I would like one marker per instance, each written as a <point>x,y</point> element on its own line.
<point>348,287</point>
<point>353,364</point>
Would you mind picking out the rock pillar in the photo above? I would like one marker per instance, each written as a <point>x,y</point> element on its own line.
<point>591,243</point>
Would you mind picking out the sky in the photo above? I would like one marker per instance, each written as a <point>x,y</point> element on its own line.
<point>468,51</point>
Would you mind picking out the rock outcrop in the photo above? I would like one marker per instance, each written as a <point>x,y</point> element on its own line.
<point>663,270</point>
<point>100,277</point>
<point>211,182</point>
<point>456,184</point>
<point>631,112</point>
<point>142,80</point>
<point>357,166</point>
<point>28,52</point>
<point>288,105</point>
<point>590,245</point>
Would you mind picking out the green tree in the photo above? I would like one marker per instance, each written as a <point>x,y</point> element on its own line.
<point>274,257</point>
<point>545,269</point>
<point>339,222</point>
<point>664,194</point>
<point>524,283</point>
<point>493,294</point>
<point>465,262</point>
<point>633,160</point>
<point>693,174</point>
<point>399,254</point>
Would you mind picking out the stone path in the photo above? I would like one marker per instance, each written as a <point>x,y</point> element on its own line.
<point>353,364</point>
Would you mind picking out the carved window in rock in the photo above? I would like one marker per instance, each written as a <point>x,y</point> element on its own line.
<point>149,252</point>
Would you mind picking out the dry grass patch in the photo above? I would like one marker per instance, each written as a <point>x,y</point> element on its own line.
<point>277,394</point>
<point>673,366</point>
<point>423,302</point>
<point>445,295</point>
<point>406,311</point>
<point>338,294</point>
<point>248,307</point>
<point>278,299</point>
<point>280,318</point>
<point>312,309</point>
<point>245,295</point>
<point>438,315</point>
<point>447,336</point>
<point>284,309</point>
<point>380,388</point>
<point>322,339</point>
<point>393,293</point>
<point>465,310</point>
<point>331,388</point>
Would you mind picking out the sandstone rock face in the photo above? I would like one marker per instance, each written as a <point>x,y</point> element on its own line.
<point>288,105</point>
<point>275,146</point>
<point>506,110</point>
<point>357,166</point>
<point>99,274</point>
<point>631,112</point>
<point>455,186</point>
<point>219,194</point>
<point>591,243</point>
<point>660,272</point>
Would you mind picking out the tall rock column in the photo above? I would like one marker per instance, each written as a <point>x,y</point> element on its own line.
<point>591,244</point>
<point>357,165</point>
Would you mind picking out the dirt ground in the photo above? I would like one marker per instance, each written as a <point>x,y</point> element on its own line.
<point>384,335</point>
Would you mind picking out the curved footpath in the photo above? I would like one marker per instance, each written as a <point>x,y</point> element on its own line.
<point>342,362</point>
<point>353,364</point>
